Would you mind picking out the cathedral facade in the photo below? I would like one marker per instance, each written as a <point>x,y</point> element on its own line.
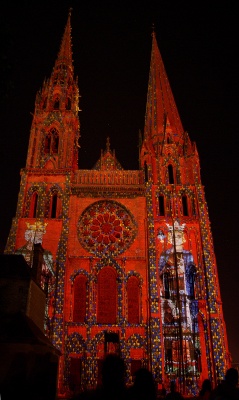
<point>128,263</point>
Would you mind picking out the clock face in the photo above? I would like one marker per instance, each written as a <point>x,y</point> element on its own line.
<point>106,227</point>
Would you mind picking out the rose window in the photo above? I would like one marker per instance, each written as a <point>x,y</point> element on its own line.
<point>106,227</point>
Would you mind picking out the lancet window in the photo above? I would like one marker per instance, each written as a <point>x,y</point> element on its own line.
<point>55,206</point>
<point>33,205</point>
<point>161,205</point>
<point>80,295</point>
<point>146,172</point>
<point>56,103</point>
<point>170,174</point>
<point>185,208</point>
<point>51,142</point>
<point>133,296</point>
<point>107,296</point>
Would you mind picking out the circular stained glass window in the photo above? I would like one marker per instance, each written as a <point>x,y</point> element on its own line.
<point>106,227</point>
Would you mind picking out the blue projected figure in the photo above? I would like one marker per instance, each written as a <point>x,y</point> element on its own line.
<point>178,305</point>
<point>177,257</point>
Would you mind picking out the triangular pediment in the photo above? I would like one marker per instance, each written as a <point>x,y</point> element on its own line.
<point>107,160</point>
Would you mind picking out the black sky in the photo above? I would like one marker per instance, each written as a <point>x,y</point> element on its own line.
<point>111,51</point>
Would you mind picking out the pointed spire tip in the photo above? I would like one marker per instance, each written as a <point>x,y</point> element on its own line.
<point>153,29</point>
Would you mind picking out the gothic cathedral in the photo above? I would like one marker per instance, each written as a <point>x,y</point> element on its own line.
<point>128,263</point>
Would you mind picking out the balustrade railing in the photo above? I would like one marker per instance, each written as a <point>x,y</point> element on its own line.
<point>94,177</point>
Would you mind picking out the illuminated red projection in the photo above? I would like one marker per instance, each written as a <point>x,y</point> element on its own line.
<point>127,263</point>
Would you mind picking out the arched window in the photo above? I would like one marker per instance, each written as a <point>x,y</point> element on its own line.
<point>33,206</point>
<point>185,205</point>
<point>170,174</point>
<point>146,176</point>
<point>56,103</point>
<point>161,204</point>
<point>47,147</point>
<point>107,296</point>
<point>133,300</point>
<point>55,206</point>
<point>51,142</point>
<point>79,303</point>
<point>55,141</point>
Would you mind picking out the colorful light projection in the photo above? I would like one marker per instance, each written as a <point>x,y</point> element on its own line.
<point>106,227</point>
<point>179,307</point>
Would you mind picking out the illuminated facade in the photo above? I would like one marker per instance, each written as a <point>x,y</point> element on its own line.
<point>128,260</point>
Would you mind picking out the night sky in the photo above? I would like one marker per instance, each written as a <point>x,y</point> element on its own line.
<point>111,52</point>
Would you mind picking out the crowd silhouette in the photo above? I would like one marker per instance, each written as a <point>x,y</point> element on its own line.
<point>113,385</point>
<point>228,388</point>
<point>113,382</point>
<point>144,387</point>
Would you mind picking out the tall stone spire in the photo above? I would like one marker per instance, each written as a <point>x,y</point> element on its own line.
<point>55,126</point>
<point>65,53</point>
<point>162,121</point>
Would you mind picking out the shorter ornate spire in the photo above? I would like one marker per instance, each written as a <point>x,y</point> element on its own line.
<point>108,144</point>
<point>65,53</point>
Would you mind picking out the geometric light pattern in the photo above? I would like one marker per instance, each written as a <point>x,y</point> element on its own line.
<point>106,227</point>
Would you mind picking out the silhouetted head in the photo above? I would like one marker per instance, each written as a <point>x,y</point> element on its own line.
<point>172,386</point>
<point>231,377</point>
<point>144,384</point>
<point>113,372</point>
<point>206,386</point>
<point>143,377</point>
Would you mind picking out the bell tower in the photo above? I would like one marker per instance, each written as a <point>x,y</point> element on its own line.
<point>55,127</point>
<point>53,147</point>
<point>184,287</point>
